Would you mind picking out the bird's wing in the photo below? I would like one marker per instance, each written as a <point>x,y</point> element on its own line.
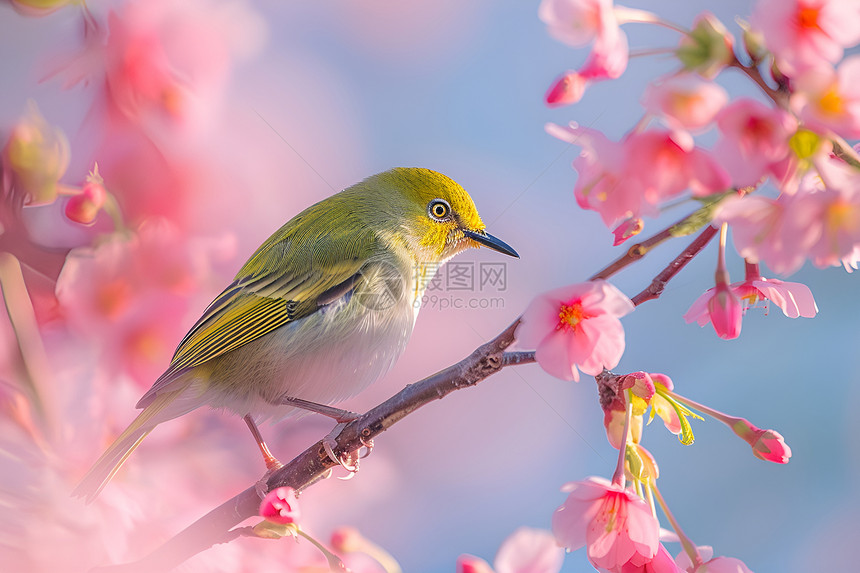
<point>257,304</point>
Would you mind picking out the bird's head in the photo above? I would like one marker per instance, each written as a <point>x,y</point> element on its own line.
<point>432,214</point>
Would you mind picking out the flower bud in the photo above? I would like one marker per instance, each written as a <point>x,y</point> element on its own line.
<point>768,445</point>
<point>567,89</point>
<point>708,48</point>
<point>628,228</point>
<point>37,156</point>
<point>281,506</point>
<point>85,206</point>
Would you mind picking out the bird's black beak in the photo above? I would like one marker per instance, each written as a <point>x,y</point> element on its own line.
<point>490,241</point>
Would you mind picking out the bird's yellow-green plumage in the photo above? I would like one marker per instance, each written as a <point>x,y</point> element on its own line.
<point>319,311</point>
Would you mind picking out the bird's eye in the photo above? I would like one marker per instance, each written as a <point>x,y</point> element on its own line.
<point>439,209</point>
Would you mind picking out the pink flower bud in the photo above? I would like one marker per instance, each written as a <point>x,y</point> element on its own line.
<point>768,445</point>
<point>280,505</point>
<point>725,311</point>
<point>85,206</point>
<point>628,228</point>
<point>567,89</point>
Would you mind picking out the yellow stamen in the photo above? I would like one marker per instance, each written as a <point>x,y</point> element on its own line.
<point>569,316</point>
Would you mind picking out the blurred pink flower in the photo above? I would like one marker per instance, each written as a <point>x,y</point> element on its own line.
<point>281,505</point>
<point>471,564</point>
<point>529,550</point>
<point>828,99</point>
<point>165,63</point>
<point>131,295</point>
<point>721,307</point>
<point>687,101</point>
<point>615,525</point>
<point>711,564</point>
<point>807,33</point>
<point>666,165</point>
<point>526,550</point>
<point>778,232</point>
<point>602,184</point>
<point>574,327</point>
<point>629,179</point>
<point>33,160</point>
<point>578,22</point>
<point>754,140</point>
<point>566,89</point>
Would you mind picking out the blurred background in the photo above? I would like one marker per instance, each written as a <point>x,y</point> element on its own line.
<point>314,97</point>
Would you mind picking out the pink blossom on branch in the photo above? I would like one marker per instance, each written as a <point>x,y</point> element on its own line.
<point>723,305</point>
<point>629,179</point>
<point>686,101</point>
<point>804,34</point>
<point>567,89</point>
<point>615,525</point>
<point>754,141</point>
<point>576,328</point>
<point>829,99</point>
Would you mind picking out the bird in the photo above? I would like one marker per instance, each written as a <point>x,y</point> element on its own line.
<point>322,309</point>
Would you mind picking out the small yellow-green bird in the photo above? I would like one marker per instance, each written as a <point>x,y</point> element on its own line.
<point>322,309</point>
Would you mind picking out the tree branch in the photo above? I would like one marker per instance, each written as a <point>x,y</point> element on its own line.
<point>313,464</point>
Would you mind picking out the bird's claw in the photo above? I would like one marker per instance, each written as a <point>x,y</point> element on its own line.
<point>368,446</point>
<point>346,461</point>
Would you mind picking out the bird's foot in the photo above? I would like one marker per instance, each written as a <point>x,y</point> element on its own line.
<point>349,461</point>
<point>368,447</point>
<point>262,485</point>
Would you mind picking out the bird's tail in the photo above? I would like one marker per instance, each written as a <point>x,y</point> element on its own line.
<point>109,463</point>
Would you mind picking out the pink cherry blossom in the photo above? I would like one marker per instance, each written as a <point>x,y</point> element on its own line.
<point>666,165</point>
<point>710,563</point>
<point>281,505</point>
<point>615,525</point>
<point>721,307</point>
<point>565,90</point>
<point>529,550</point>
<point>807,33</point>
<point>644,389</point>
<point>630,179</point>
<point>828,99</point>
<point>754,140</point>
<point>576,328</point>
<point>778,232</point>
<point>686,101</point>
<point>602,184</point>
<point>578,22</point>
<point>164,63</point>
<point>526,550</point>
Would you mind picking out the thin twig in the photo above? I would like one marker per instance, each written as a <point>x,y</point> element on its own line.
<point>655,289</point>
